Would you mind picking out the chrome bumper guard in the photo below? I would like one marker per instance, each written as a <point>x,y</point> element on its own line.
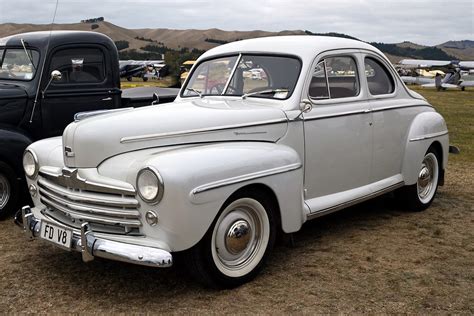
<point>91,247</point>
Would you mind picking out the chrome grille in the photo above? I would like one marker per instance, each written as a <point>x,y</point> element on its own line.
<point>78,205</point>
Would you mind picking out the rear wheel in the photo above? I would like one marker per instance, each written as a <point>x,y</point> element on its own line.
<point>419,196</point>
<point>8,190</point>
<point>236,245</point>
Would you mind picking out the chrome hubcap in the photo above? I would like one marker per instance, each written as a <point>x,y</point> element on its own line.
<point>427,178</point>
<point>240,237</point>
<point>4,191</point>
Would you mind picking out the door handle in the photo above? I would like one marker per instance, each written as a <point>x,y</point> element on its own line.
<point>107,99</point>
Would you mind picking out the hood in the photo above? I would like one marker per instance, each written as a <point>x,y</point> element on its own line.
<point>89,142</point>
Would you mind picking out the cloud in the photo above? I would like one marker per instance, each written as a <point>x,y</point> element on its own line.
<point>422,21</point>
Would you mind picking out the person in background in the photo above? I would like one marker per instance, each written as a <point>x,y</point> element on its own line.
<point>438,84</point>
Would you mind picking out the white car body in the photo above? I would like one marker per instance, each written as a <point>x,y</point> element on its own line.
<point>337,153</point>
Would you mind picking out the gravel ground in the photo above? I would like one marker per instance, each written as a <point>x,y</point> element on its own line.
<point>374,257</point>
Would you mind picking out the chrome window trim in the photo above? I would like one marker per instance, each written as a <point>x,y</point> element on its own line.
<point>371,96</point>
<point>245,177</point>
<point>232,73</point>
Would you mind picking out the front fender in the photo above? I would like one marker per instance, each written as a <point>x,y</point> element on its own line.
<point>13,143</point>
<point>426,129</point>
<point>199,179</point>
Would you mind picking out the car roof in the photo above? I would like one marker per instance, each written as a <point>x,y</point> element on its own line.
<point>303,46</point>
<point>40,39</point>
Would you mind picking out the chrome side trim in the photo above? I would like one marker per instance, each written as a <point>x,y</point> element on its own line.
<point>245,177</point>
<point>139,138</point>
<point>321,117</point>
<point>341,206</point>
<point>428,136</point>
<point>396,107</point>
<point>364,111</point>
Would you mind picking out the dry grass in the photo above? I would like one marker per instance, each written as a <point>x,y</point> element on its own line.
<point>372,258</point>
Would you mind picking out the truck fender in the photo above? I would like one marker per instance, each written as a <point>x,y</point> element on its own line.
<point>199,179</point>
<point>426,129</point>
<point>13,143</point>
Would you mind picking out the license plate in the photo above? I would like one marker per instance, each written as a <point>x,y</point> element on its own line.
<point>56,234</point>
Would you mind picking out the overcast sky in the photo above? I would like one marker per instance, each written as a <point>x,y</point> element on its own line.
<point>426,22</point>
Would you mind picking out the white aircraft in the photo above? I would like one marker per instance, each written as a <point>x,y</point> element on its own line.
<point>459,74</point>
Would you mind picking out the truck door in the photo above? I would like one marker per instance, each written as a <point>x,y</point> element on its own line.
<point>87,84</point>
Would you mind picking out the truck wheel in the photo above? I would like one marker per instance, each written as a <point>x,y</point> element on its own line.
<point>145,79</point>
<point>236,245</point>
<point>419,196</point>
<point>8,190</point>
<point>129,78</point>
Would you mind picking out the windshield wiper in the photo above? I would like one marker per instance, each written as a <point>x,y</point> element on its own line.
<point>244,96</point>
<point>28,55</point>
<point>195,91</point>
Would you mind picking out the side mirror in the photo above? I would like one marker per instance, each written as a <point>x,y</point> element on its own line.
<point>156,99</point>
<point>56,75</point>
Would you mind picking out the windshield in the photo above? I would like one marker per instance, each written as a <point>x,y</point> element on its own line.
<point>15,64</point>
<point>259,76</point>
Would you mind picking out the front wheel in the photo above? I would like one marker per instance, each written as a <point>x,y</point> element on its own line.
<point>236,245</point>
<point>419,196</point>
<point>8,190</point>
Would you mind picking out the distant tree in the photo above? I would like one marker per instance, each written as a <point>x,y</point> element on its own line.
<point>122,45</point>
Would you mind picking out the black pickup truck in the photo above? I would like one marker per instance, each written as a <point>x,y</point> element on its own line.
<point>46,78</point>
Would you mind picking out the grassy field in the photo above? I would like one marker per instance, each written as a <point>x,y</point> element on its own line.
<point>372,258</point>
<point>457,108</point>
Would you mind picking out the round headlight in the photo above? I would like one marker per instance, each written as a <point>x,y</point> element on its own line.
<point>150,185</point>
<point>30,164</point>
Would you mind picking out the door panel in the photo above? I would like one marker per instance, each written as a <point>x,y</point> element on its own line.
<point>338,148</point>
<point>59,107</point>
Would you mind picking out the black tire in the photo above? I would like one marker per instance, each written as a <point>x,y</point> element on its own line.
<point>410,195</point>
<point>129,78</point>
<point>145,79</point>
<point>207,264</point>
<point>8,190</point>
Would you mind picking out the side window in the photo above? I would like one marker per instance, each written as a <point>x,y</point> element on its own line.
<point>379,79</point>
<point>340,74</point>
<point>83,65</point>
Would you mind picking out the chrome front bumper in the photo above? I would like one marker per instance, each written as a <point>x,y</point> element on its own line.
<point>90,246</point>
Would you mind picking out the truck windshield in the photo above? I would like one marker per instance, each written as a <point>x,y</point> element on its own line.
<point>16,65</point>
<point>259,76</point>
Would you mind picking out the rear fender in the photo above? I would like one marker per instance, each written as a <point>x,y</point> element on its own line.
<point>426,129</point>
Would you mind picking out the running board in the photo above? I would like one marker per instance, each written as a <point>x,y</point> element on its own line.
<point>341,206</point>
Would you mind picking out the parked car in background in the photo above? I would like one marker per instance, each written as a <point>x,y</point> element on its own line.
<point>80,74</point>
<point>233,162</point>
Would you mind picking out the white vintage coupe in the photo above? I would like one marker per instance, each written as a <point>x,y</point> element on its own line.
<point>237,158</point>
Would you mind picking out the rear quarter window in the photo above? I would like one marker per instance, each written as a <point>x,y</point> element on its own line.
<point>379,79</point>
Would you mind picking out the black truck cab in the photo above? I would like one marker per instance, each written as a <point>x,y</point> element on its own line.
<point>36,104</point>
